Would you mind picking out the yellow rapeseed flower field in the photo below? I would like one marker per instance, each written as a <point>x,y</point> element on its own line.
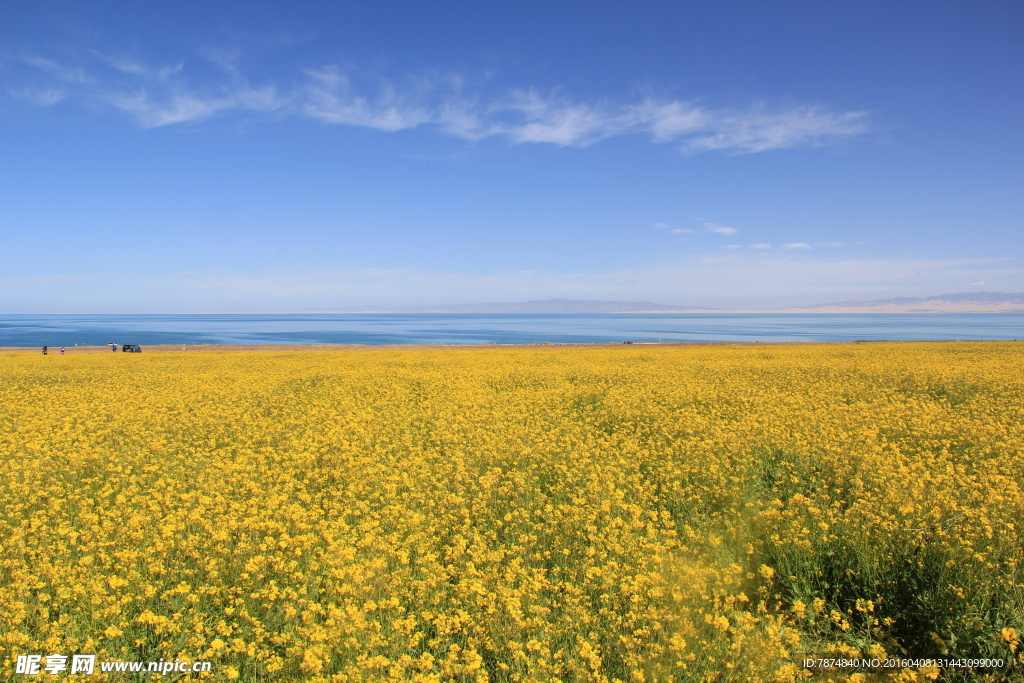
<point>576,514</point>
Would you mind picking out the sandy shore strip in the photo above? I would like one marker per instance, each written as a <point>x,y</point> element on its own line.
<point>222,348</point>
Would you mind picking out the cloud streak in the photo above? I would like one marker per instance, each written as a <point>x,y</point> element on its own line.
<point>720,229</point>
<point>169,95</point>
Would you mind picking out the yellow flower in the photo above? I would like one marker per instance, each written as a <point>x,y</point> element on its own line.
<point>546,513</point>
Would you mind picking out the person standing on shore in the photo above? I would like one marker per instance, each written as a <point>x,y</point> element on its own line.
<point>44,350</point>
<point>62,350</point>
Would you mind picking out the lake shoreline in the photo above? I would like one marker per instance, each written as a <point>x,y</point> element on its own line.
<point>221,348</point>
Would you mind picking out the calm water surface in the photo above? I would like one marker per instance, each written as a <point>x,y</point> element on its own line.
<point>476,328</point>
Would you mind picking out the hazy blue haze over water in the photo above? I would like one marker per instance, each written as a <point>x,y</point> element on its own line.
<point>475,328</point>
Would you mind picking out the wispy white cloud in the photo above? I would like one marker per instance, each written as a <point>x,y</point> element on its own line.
<point>760,130</point>
<point>667,121</point>
<point>720,229</point>
<point>153,96</point>
<point>135,67</point>
<point>760,245</point>
<point>153,110</point>
<point>166,95</point>
<point>40,97</point>
<point>528,116</point>
<point>62,72</point>
<point>797,245</point>
<point>330,97</point>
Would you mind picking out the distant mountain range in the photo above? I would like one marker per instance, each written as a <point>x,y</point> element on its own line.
<point>566,306</point>
<point>963,302</point>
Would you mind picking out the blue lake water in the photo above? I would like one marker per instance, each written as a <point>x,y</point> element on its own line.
<point>476,328</point>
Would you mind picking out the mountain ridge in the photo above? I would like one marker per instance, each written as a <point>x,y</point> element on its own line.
<point>960,297</point>
<point>564,306</point>
<point>959,302</point>
<point>954,302</point>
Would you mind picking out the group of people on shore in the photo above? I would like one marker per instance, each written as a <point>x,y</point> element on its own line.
<point>113,347</point>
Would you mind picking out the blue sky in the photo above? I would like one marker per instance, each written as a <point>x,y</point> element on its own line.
<point>259,156</point>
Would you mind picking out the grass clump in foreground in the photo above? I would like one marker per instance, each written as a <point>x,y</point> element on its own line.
<point>556,514</point>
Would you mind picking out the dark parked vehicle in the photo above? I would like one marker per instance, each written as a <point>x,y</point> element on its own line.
<point>131,348</point>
